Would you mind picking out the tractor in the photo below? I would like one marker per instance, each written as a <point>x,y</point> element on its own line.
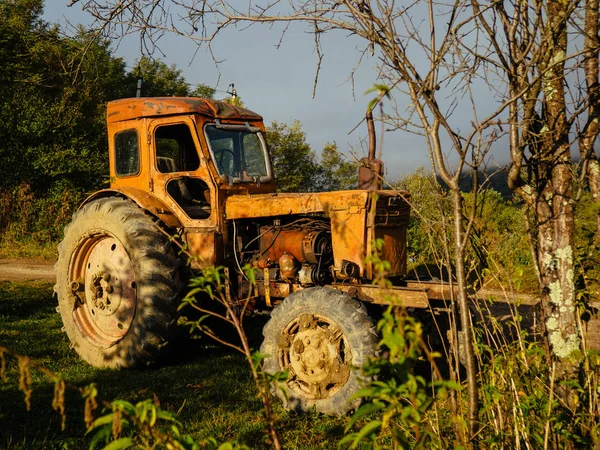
<point>200,169</point>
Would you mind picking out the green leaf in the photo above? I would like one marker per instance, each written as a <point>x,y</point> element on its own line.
<point>166,415</point>
<point>124,406</point>
<point>143,413</point>
<point>453,385</point>
<point>365,431</point>
<point>364,410</point>
<point>101,421</point>
<point>152,415</point>
<point>119,444</point>
<point>102,435</point>
<point>381,89</point>
<point>226,446</point>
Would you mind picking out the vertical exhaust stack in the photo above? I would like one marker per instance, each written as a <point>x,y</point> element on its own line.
<point>370,172</point>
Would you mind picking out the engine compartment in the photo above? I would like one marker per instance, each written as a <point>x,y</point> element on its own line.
<point>295,250</point>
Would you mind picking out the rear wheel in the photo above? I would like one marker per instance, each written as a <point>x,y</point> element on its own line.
<point>320,336</point>
<point>117,284</point>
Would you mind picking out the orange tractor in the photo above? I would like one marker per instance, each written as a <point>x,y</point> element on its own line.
<point>201,169</point>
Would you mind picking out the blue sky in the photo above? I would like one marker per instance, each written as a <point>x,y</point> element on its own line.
<point>278,83</point>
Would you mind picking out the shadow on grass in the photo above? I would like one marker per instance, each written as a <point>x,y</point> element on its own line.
<point>207,386</point>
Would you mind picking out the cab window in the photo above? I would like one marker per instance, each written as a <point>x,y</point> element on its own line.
<point>175,149</point>
<point>127,154</point>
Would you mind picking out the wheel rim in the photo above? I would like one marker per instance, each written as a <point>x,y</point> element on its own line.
<point>103,289</point>
<point>317,355</point>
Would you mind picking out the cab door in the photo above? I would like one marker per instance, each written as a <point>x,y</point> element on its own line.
<point>182,180</point>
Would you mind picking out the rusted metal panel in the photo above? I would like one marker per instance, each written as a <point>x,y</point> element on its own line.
<point>135,108</point>
<point>347,210</point>
<point>349,238</point>
<point>201,173</point>
<point>142,179</point>
<point>271,205</point>
<point>203,246</point>
<point>394,248</point>
<point>274,243</point>
<point>397,296</point>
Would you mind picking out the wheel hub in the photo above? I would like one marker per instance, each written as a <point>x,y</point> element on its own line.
<point>316,355</point>
<point>105,290</point>
<point>100,294</point>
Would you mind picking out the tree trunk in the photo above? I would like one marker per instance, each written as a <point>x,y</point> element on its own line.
<point>593,174</point>
<point>465,316</point>
<point>555,216</point>
<point>592,126</point>
<point>554,203</point>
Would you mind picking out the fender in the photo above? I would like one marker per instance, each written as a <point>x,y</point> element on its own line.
<point>143,199</point>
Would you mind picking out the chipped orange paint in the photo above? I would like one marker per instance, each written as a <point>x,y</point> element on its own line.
<point>136,108</point>
<point>144,200</point>
<point>346,209</point>
<point>357,217</point>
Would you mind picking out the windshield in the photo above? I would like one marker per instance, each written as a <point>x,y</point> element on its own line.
<point>239,153</point>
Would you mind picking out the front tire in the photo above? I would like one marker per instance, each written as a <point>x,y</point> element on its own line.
<point>117,284</point>
<point>320,336</point>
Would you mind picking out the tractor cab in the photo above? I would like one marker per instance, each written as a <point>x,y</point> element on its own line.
<point>184,151</point>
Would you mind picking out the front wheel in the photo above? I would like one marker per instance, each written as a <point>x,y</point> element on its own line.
<point>117,284</point>
<point>322,337</point>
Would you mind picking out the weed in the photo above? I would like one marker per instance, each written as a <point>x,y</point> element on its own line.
<point>206,387</point>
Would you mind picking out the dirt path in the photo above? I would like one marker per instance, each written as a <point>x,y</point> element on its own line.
<point>26,270</point>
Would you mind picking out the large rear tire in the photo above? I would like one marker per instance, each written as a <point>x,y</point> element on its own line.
<point>117,284</point>
<point>322,337</point>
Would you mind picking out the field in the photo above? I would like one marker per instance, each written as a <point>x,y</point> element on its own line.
<point>207,386</point>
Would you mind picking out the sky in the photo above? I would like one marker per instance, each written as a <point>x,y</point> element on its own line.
<point>278,82</point>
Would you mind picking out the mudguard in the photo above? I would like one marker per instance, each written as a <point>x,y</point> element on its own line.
<point>143,199</point>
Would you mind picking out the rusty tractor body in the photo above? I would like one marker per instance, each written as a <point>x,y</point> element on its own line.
<point>201,168</point>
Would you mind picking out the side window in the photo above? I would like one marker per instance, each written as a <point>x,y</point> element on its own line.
<point>175,150</point>
<point>127,154</point>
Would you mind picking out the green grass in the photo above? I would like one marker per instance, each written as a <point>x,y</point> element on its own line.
<point>207,386</point>
<point>27,248</point>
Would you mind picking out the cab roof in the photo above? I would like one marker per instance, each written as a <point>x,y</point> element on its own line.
<point>136,108</point>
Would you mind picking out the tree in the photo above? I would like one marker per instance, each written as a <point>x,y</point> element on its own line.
<point>52,113</point>
<point>203,91</point>
<point>294,162</point>
<point>536,62</point>
<point>158,79</point>
<point>297,168</point>
<point>528,45</point>
<point>338,173</point>
<point>49,111</point>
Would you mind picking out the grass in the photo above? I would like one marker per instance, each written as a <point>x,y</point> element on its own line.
<point>207,386</point>
<point>27,248</point>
